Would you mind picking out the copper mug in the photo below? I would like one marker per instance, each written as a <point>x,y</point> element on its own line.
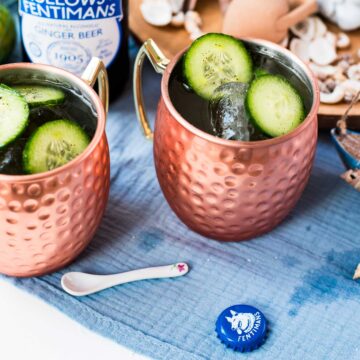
<point>223,189</point>
<point>47,219</point>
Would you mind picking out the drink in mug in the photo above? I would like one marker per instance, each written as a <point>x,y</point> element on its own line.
<point>236,93</point>
<point>43,126</point>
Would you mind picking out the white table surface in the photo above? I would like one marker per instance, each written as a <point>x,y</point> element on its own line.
<point>33,330</point>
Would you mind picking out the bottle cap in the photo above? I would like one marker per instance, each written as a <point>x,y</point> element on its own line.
<point>241,327</point>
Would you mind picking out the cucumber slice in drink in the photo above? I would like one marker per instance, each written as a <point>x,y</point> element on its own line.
<point>54,144</point>
<point>216,59</point>
<point>40,95</point>
<point>14,115</point>
<point>274,105</point>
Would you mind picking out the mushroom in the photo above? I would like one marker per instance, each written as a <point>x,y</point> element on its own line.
<point>178,19</point>
<point>322,52</point>
<point>351,87</point>
<point>156,12</point>
<point>305,30</point>
<point>330,38</point>
<point>300,48</point>
<point>334,97</point>
<point>322,72</point>
<point>343,41</point>
<point>353,72</point>
<point>320,27</point>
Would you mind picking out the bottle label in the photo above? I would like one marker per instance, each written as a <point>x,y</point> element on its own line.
<point>67,33</point>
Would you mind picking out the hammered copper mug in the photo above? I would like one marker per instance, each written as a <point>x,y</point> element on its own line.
<point>223,189</point>
<point>47,219</point>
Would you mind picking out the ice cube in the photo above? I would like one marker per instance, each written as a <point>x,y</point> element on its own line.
<point>228,115</point>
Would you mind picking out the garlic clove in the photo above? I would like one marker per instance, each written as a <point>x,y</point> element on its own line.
<point>332,98</point>
<point>343,41</point>
<point>305,30</point>
<point>301,49</point>
<point>321,52</point>
<point>156,12</point>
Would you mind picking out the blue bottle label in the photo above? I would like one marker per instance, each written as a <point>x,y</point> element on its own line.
<point>67,33</point>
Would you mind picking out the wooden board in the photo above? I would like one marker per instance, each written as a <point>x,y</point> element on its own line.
<point>172,40</point>
<point>329,114</point>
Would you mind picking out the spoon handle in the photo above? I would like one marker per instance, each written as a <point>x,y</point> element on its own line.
<point>81,284</point>
<point>158,272</point>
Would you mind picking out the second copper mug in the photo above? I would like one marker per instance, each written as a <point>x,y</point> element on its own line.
<point>47,219</point>
<point>224,189</point>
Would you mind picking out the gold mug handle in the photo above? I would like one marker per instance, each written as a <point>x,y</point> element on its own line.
<point>159,61</point>
<point>96,71</point>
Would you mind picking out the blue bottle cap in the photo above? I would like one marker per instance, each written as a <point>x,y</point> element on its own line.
<point>241,327</point>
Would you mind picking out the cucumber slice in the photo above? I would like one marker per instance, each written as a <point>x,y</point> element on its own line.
<point>54,144</point>
<point>40,95</point>
<point>216,59</point>
<point>14,116</point>
<point>274,105</point>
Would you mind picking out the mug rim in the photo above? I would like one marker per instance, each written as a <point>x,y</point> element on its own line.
<point>100,126</point>
<point>236,143</point>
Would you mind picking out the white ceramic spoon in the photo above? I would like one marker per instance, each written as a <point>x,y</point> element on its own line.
<point>81,284</point>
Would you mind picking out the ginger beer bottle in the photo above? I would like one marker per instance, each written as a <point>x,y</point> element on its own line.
<point>67,33</point>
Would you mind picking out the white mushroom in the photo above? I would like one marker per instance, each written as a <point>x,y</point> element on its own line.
<point>351,86</point>
<point>322,52</point>
<point>301,49</point>
<point>178,19</point>
<point>332,98</point>
<point>330,38</point>
<point>305,30</point>
<point>176,5</point>
<point>343,41</point>
<point>353,72</point>
<point>322,72</point>
<point>156,12</point>
<point>320,27</point>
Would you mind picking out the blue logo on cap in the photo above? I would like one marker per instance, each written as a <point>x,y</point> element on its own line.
<point>241,327</point>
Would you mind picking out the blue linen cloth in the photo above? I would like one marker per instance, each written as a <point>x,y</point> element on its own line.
<point>299,275</point>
